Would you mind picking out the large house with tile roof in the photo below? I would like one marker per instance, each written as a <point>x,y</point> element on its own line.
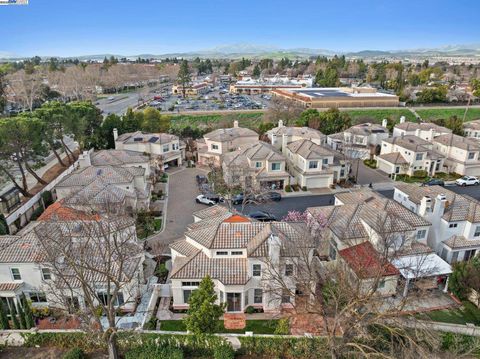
<point>315,166</point>
<point>472,129</point>
<point>258,166</point>
<point>240,255</point>
<point>396,236</point>
<point>455,219</point>
<point>118,158</point>
<point>215,144</point>
<point>425,130</point>
<point>408,154</point>
<point>462,154</point>
<point>282,135</point>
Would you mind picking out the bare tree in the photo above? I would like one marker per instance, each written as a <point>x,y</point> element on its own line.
<point>96,265</point>
<point>26,87</point>
<point>281,109</point>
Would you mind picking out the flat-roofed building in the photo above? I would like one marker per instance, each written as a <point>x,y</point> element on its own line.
<point>337,97</point>
<point>193,89</point>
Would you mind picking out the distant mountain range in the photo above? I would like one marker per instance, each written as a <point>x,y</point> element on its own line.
<point>235,51</point>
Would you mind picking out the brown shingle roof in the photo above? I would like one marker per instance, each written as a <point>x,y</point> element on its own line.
<point>184,248</point>
<point>307,149</point>
<point>10,286</point>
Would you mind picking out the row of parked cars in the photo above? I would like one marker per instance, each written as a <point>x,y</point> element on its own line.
<point>464,181</point>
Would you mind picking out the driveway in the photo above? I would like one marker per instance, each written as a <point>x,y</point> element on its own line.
<point>367,175</point>
<point>180,205</point>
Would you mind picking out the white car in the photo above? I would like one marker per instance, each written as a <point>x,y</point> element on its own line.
<point>467,181</point>
<point>205,200</point>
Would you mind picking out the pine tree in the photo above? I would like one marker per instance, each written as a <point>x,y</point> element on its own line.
<point>21,316</point>
<point>3,317</point>
<point>13,314</point>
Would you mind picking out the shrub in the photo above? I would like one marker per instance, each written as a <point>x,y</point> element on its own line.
<point>304,188</point>
<point>151,350</point>
<point>307,348</point>
<point>3,225</point>
<point>250,310</point>
<point>47,198</point>
<point>283,327</point>
<point>288,188</point>
<point>75,353</point>
<point>420,173</point>
<point>41,312</point>
<point>370,163</point>
<point>151,324</point>
<point>36,213</point>
<point>224,351</point>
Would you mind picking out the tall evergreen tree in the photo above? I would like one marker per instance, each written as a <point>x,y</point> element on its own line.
<point>184,77</point>
<point>29,321</point>
<point>3,317</point>
<point>21,317</point>
<point>13,314</point>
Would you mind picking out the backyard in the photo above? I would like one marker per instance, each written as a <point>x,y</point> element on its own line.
<point>467,313</point>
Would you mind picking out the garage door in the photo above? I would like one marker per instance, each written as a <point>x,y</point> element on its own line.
<point>318,182</point>
<point>384,166</point>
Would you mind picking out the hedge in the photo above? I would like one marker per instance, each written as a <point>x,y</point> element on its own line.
<point>288,348</point>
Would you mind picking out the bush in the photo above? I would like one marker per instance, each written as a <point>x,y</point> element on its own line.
<point>151,324</point>
<point>283,327</point>
<point>304,188</point>
<point>370,163</point>
<point>250,310</point>
<point>47,198</point>
<point>420,174</point>
<point>288,188</point>
<point>224,351</point>
<point>288,348</point>
<point>36,213</point>
<point>151,350</point>
<point>75,353</point>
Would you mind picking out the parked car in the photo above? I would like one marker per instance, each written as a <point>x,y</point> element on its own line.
<point>269,196</point>
<point>240,198</point>
<point>206,199</point>
<point>201,179</point>
<point>434,182</point>
<point>262,216</point>
<point>467,181</point>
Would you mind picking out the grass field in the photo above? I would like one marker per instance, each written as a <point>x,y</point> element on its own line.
<point>250,119</point>
<point>468,313</point>
<point>377,115</point>
<point>434,114</point>
<point>256,326</point>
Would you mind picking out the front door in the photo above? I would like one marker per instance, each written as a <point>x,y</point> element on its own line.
<point>234,302</point>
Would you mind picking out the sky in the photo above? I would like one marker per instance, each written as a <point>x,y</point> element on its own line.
<point>87,27</point>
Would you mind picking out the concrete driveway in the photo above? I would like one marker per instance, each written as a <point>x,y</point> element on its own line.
<point>180,205</point>
<point>367,175</point>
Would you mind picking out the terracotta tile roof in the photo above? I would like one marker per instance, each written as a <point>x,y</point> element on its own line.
<point>309,150</point>
<point>184,248</point>
<point>393,157</point>
<point>472,125</point>
<point>416,193</point>
<point>99,191</point>
<point>229,271</point>
<point>303,132</point>
<point>457,242</point>
<point>366,129</point>
<point>116,157</point>
<point>109,174</point>
<point>451,140</point>
<point>236,219</point>
<point>364,260</point>
<point>410,142</point>
<point>10,286</point>
<point>462,208</point>
<point>229,134</point>
<point>211,212</point>
<point>259,151</point>
<point>20,249</point>
<point>424,126</point>
<point>144,137</point>
<point>59,211</point>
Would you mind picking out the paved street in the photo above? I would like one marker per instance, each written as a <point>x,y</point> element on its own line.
<point>367,175</point>
<point>182,190</point>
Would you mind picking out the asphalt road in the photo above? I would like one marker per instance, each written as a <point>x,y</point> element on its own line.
<point>120,104</point>
<point>287,204</point>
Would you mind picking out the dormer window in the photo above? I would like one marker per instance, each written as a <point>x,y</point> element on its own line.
<point>313,164</point>
<point>214,147</point>
<point>222,253</point>
<point>258,164</point>
<point>471,155</point>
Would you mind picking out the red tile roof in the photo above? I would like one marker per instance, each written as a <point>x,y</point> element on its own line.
<point>59,211</point>
<point>364,260</point>
<point>236,219</point>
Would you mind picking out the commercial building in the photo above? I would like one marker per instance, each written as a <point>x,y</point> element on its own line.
<point>337,97</point>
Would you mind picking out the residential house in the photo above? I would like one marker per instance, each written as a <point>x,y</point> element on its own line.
<point>461,153</point>
<point>359,141</point>
<point>281,136</point>
<point>164,148</point>
<point>258,165</point>
<point>217,143</point>
<point>425,130</point>
<point>26,269</point>
<point>120,158</point>
<point>472,129</point>
<point>396,235</point>
<point>314,166</point>
<point>408,154</point>
<point>455,219</point>
<point>240,256</point>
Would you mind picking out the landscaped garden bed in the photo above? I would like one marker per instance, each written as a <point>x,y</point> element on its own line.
<point>257,326</point>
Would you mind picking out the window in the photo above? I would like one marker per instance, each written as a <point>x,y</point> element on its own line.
<point>275,166</point>
<point>421,234</point>
<point>221,296</point>
<point>222,253</point>
<point>38,297</point>
<point>257,296</point>
<point>477,231</point>
<point>16,274</point>
<point>246,298</point>
<point>419,157</point>
<point>237,253</point>
<point>166,148</point>
<point>454,257</point>
<point>325,161</point>
<point>471,155</point>
<point>313,164</point>
<point>332,253</point>
<point>444,254</point>
<point>288,269</point>
<point>103,297</point>
<point>381,284</point>
<point>453,225</point>
<point>46,274</point>
<point>174,146</point>
<point>190,284</point>
<point>257,270</point>
<point>214,147</point>
<point>397,169</point>
<point>186,295</point>
<point>258,164</point>
<point>469,254</point>
<point>285,296</point>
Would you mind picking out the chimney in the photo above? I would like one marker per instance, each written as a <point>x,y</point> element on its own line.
<point>384,122</point>
<point>235,124</point>
<point>439,206</point>
<point>425,206</point>
<point>84,159</point>
<point>280,123</point>
<point>115,134</point>
<point>402,119</point>
<point>274,250</point>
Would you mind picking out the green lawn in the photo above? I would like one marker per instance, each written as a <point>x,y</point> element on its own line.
<point>377,115</point>
<point>256,326</point>
<point>434,114</point>
<point>468,313</point>
<point>157,224</point>
<point>250,119</point>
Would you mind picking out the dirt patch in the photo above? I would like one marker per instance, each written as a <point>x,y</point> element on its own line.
<point>32,353</point>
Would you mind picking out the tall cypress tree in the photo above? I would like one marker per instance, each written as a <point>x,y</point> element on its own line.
<point>3,317</point>
<point>13,314</point>
<point>21,317</point>
<point>29,321</point>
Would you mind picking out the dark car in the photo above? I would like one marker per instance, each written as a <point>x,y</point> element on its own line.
<point>262,216</point>
<point>434,182</point>
<point>201,179</point>
<point>269,196</point>
<point>240,198</point>
<point>213,197</point>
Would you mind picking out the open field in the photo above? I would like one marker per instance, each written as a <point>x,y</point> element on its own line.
<point>433,114</point>
<point>377,115</point>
